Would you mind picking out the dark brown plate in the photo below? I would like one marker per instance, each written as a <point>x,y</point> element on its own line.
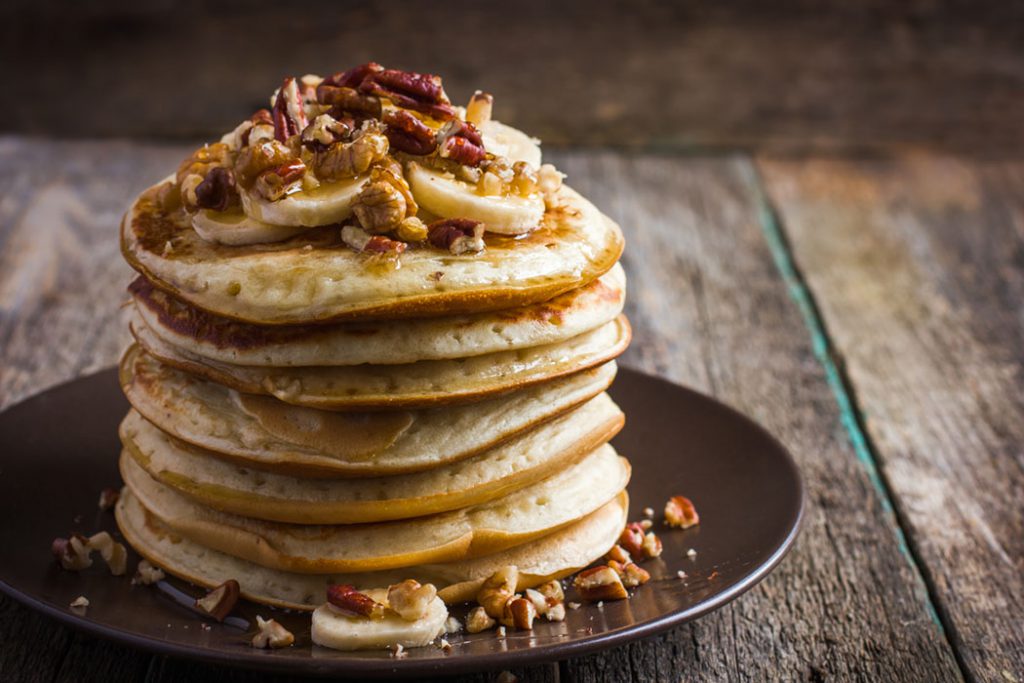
<point>60,449</point>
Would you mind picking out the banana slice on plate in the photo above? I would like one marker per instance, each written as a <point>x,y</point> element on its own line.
<point>506,141</point>
<point>235,228</point>
<point>327,204</point>
<point>445,196</point>
<point>334,630</point>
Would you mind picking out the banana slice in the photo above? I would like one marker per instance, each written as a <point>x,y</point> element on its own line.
<point>444,196</point>
<point>506,141</point>
<point>337,631</point>
<point>235,228</point>
<point>329,203</point>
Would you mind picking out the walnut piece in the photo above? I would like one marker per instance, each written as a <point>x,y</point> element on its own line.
<point>478,620</point>
<point>271,634</point>
<point>146,574</point>
<point>680,512</point>
<point>497,589</point>
<point>219,602</point>
<point>411,600</point>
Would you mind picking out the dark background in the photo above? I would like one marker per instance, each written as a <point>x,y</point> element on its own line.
<point>793,76</point>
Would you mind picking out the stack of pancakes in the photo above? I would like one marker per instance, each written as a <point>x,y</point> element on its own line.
<point>305,415</point>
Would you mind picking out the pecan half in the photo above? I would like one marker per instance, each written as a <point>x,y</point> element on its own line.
<point>457,235</point>
<point>406,133</point>
<point>350,159</point>
<point>348,100</point>
<point>461,142</point>
<point>379,207</point>
<point>354,76</point>
<point>274,183</point>
<point>219,602</point>
<point>410,90</point>
<point>347,600</point>
<point>680,512</point>
<point>289,114</point>
<point>600,583</point>
<point>217,191</point>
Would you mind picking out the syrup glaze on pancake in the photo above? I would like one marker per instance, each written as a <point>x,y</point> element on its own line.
<point>424,384</point>
<point>550,557</point>
<point>379,342</point>
<point>527,459</point>
<point>206,414</point>
<point>313,277</point>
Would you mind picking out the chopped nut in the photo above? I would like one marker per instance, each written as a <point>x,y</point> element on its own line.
<point>555,612</point>
<point>350,159</point>
<point>73,554</point>
<point>600,583</point>
<point>274,183</point>
<point>412,229</point>
<point>632,539</point>
<point>112,552</point>
<point>410,599</point>
<point>549,182</point>
<point>618,554</point>
<point>444,646</point>
<point>452,625</point>
<point>540,603</point>
<point>574,605</point>
<point>271,634</point>
<point>501,631</point>
<point>461,142</point>
<point>457,235</point>
<point>646,524</point>
<point>398,651</point>
<point>681,574</point>
<point>187,188</point>
<point>219,602</point>
<point>497,590</point>
<point>217,191</point>
<point>648,512</point>
<point>146,574</point>
<point>490,185</point>
<point>257,158</point>
<point>108,498</point>
<point>81,602</point>
<point>691,553</point>
<point>652,545</point>
<point>519,613</point>
<point>347,600</point>
<point>680,512</point>
<point>630,573</point>
<point>552,591</point>
<point>479,108</point>
<point>289,114</point>
<point>478,620</point>
<point>379,207</point>
<point>324,131</point>
<point>524,179</point>
<point>203,160</point>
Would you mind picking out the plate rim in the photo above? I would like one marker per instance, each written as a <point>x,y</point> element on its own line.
<point>407,668</point>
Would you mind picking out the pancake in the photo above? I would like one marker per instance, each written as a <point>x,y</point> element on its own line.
<point>520,462</point>
<point>412,385</point>
<point>382,342</point>
<point>516,518</point>
<point>550,557</point>
<point>313,277</point>
<point>261,432</point>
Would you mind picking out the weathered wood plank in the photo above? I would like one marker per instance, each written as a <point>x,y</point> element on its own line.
<point>917,264</point>
<point>709,309</point>
<point>701,74</point>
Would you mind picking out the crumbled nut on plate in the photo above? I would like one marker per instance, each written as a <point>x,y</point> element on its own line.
<point>501,631</point>
<point>497,590</point>
<point>691,553</point>
<point>81,602</point>
<point>146,574</point>
<point>271,634</point>
<point>681,574</point>
<point>445,646</point>
<point>648,512</point>
<point>219,602</point>
<point>478,620</point>
<point>599,583</point>
<point>398,651</point>
<point>108,498</point>
<point>452,625</point>
<point>680,512</point>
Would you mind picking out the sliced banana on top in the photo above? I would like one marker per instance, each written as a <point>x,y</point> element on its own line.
<point>443,195</point>
<point>234,228</point>
<point>327,204</point>
<point>505,141</point>
<point>334,630</point>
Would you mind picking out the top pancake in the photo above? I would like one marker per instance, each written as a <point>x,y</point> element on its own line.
<point>315,278</point>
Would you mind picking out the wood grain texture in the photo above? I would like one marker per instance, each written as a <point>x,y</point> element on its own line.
<point>917,264</point>
<point>710,310</point>
<point>711,73</point>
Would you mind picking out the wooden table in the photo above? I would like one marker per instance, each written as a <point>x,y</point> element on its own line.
<point>868,313</point>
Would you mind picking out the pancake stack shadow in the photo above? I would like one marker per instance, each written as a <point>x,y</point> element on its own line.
<point>375,449</point>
